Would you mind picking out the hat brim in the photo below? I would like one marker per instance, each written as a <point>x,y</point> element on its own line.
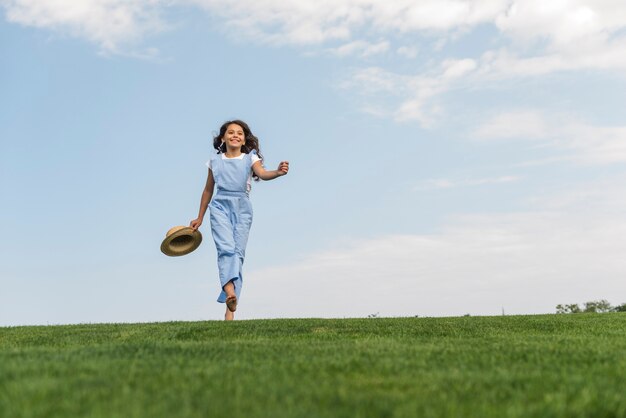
<point>181,242</point>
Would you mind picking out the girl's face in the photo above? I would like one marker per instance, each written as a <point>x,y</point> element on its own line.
<point>234,136</point>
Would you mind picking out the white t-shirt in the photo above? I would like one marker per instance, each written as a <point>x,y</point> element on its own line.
<point>253,157</point>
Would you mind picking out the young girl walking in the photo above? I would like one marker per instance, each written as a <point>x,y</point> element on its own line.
<point>236,161</point>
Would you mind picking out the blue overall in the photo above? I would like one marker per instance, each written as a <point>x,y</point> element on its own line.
<point>231,217</point>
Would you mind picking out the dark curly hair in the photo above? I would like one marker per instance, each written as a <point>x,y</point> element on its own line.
<point>251,141</point>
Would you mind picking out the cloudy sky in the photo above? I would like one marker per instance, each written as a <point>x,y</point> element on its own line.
<point>447,157</point>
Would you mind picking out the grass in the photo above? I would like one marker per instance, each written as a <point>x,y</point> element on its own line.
<point>508,366</point>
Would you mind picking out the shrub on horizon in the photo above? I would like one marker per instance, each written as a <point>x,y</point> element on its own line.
<point>596,306</point>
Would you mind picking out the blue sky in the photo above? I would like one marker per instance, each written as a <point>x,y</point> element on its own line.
<point>447,157</point>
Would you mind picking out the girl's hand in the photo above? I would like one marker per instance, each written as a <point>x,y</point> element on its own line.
<point>283,168</point>
<point>195,224</point>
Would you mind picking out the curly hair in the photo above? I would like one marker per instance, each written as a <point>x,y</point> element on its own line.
<point>251,141</point>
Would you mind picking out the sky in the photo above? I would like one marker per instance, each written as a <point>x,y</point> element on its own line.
<point>446,157</point>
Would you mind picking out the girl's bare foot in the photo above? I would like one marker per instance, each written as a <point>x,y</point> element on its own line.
<point>231,303</point>
<point>229,316</point>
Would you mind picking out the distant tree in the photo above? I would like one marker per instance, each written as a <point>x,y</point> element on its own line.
<point>594,306</point>
<point>564,309</point>
<point>619,308</point>
<point>598,306</point>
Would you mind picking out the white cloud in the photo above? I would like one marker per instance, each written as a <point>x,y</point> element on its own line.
<point>583,143</point>
<point>550,36</point>
<point>533,37</point>
<point>417,92</point>
<point>439,15</point>
<point>108,23</point>
<point>572,29</point>
<point>566,24</point>
<point>434,184</point>
<point>318,21</point>
<point>407,51</point>
<point>560,35</point>
<point>547,36</point>
<point>361,48</point>
<point>505,64</point>
<point>528,124</point>
<point>375,80</point>
<point>457,68</point>
<point>523,262</point>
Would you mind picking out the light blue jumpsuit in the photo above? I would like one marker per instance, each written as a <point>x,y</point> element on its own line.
<point>231,217</point>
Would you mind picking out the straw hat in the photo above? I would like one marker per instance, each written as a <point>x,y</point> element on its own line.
<point>180,240</point>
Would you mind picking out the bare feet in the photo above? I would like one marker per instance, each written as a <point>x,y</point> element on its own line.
<point>229,316</point>
<point>231,303</point>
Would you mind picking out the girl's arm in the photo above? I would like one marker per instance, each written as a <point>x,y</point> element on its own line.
<point>207,194</point>
<point>283,168</point>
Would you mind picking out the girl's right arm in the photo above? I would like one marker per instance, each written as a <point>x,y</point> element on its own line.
<point>207,194</point>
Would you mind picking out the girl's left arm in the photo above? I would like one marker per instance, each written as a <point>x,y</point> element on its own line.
<point>283,168</point>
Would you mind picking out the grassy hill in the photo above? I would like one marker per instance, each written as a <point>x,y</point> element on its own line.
<point>507,366</point>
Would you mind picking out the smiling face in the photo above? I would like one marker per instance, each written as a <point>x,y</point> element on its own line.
<point>234,137</point>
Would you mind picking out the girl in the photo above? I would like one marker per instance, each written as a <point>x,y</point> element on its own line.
<point>231,169</point>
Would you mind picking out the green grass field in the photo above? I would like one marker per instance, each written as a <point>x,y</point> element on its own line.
<point>506,366</point>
